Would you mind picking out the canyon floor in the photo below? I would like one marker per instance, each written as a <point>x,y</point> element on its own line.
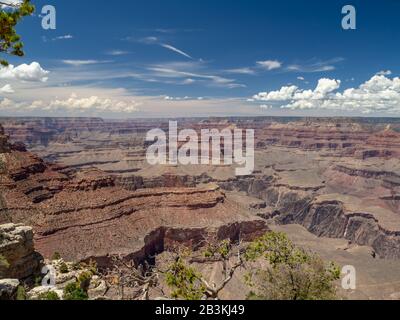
<point>333,185</point>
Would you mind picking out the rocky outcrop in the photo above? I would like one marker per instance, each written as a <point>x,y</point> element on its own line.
<point>333,220</point>
<point>365,173</point>
<point>8,289</point>
<point>137,224</point>
<point>5,146</point>
<point>17,248</point>
<point>329,219</point>
<point>90,180</point>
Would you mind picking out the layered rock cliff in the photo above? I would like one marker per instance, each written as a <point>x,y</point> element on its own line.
<point>91,214</point>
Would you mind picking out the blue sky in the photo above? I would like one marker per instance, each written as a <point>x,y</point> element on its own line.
<point>220,57</point>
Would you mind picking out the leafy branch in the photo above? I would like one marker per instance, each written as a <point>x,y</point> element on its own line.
<point>10,41</point>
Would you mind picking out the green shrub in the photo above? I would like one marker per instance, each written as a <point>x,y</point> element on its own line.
<point>184,281</point>
<point>91,266</point>
<point>38,281</point>
<point>21,293</point>
<point>293,273</point>
<point>76,266</point>
<point>50,295</point>
<point>64,268</point>
<point>4,265</point>
<point>84,280</point>
<point>73,291</point>
<point>56,256</point>
<point>3,262</point>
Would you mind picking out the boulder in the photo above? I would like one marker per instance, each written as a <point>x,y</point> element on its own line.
<point>16,247</point>
<point>35,293</point>
<point>8,289</point>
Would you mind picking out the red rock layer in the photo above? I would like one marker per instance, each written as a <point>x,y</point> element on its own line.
<point>85,215</point>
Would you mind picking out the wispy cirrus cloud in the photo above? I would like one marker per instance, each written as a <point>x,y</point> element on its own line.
<point>174,49</point>
<point>152,40</point>
<point>78,63</point>
<point>117,52</point>
<point>10,3</point>
<point>195,71</point>
<point>64,37</point>
<point>248,71</point>
<point>145,40</point>
<point>267,65</point>
<point>185,98</point>
<point>384,73</point>
<point>315,66</point>
<point>270,64</point>
<point>172,31</point>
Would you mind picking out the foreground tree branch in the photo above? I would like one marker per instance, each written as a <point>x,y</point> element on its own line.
<point>125,274</point>
<point>10,15</point>
<point>188,283</point>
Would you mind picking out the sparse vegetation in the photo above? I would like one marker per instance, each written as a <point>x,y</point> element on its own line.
<point>21,293</point>
<point>78,290</point>
<point>38,281</point>
<point>73,291</point>
<point>3,262</point>
<point>90,266</point>
<point>4,265</point>
<point>125,274</point>
<point>189,284</point>
<point>185,281</point>
<point>63,268</point>
<point>84,280</point>
<point>292,274</point>
<point>56,256</point>
<point>50,295</point>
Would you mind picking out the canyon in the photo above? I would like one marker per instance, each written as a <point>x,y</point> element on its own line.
<point>86,189</point>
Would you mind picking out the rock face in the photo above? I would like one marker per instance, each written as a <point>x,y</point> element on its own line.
<point>91,214</point>
<point>332,219</point>
<point>344,137</point>
<point>138,224</point>
<point>16,246</point>
<point>338,177</point>
<point>8,289</point>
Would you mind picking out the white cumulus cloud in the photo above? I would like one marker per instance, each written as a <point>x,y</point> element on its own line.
<point>24,72</point>
<point>95,103</point>
<point>73,104</point>
<point>379,94</point>
<point>285,93</point>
